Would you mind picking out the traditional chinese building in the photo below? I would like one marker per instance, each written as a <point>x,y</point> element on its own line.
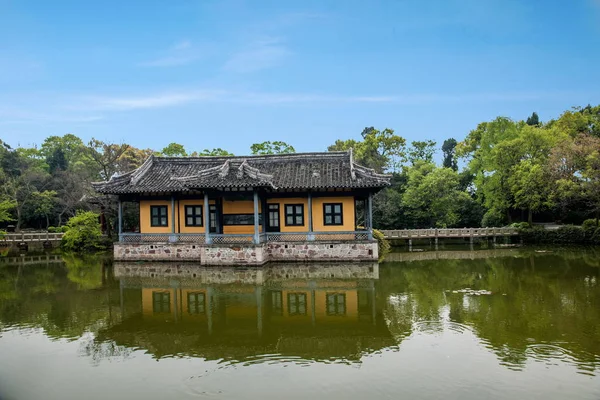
<point>257,208</point>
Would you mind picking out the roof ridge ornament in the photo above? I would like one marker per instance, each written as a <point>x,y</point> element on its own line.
<point>352,173</point>
<point>224,169</point>
<point>139,173</point>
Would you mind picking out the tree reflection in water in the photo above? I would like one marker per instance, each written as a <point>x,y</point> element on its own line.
<point>542,306</point>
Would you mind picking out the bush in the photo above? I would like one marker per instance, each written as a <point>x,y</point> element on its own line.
<point>564,234</point>
<point>589,227</point>
<point>520,225</point>
<point>51,229</point>
<point>383,244</point>
<point>492,218</point>
<point>84,233</point>
<point>570,234</point>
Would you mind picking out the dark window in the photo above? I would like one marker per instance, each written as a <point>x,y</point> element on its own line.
<point>161,302</point>
<point>240,219</point>
<point>276,303</point>
<point>193,216</point>
<point>213,218</point>
<point>274,215</point>
<point>294,214</point>
<point>158,216</point>
<point>196,303</point>
<point>296,303</point>
<point>332,212</point>
<point>336,304</point>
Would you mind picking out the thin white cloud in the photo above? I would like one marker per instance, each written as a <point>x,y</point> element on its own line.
<point>158,100</point>
<point>181,53</point>
<point>259,55</point>
<point>89,109</point>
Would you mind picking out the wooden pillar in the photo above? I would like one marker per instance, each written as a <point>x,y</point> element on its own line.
<point>310,217</point>
<point>370,216</point>
<point>259,310</point>
<point>172,214</point>
<point>256,234</point>
<point>120,204</point>
<point>209,309</point>
<point>206,219</point>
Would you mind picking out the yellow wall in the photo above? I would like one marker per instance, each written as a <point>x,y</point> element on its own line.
<point>321,303</point>
<point>347,214</point>
<point>192,202</point>
<point>247,207</point>
<point>282,203</point>
<point>239,207</point>
<point>145,219</point>
<point>147,308</point>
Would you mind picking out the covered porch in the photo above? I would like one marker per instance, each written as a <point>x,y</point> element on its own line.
<point>249,216</point>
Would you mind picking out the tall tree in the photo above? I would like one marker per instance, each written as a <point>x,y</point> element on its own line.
<point>106,156</point>
<point>421,151</point>
<point>213,153</point>
<point>174,150</point>
<point>533,120</point>
<point>433,196</point>
<point>449,150</point>
<point>379,150</point>
<point>57,161</point>
<point>276,147</point>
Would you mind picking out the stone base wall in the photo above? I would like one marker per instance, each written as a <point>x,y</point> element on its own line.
<point>275,274</point>
<point>247,254</point>
<point>157,252</point>
<point>351,251</point>
<point>233,255</point>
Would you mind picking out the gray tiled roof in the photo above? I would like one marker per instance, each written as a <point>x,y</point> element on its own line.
<point>316,171</point>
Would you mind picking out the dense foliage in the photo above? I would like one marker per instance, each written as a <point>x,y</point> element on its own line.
<point>83,233</point>
<point>502,172</point>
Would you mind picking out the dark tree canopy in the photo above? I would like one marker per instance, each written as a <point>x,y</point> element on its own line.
<point>449,150</point>
<point>533,120</point>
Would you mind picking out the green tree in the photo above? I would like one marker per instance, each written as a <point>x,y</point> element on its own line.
<point>57,161</point>
<point>421,151</point>
<point>84,233</point>
<point>449,150</point>
<point>6,207</point>
<point>174,150</point>
<point>276,147</point>
<point>533,120</point>
<point>433,197</point>
<point>379,150</point>
<point>529,184</point>
<point>44,203</point>
<point>213,153</point>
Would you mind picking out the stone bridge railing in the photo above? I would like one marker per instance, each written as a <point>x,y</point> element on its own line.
<point>448,233</point>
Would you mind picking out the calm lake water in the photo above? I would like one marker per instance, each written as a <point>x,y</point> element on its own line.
<point>490,324</point>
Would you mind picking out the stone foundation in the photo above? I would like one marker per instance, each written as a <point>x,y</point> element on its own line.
<point>310,251</point>
<point>248,254</point>
<point>275,274</point>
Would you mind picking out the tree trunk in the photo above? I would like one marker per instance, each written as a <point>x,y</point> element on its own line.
<point>530,217</point>
<point>47,221</point>
<point>18,227</point>
<point>508,216</point>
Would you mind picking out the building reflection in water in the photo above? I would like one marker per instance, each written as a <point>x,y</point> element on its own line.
<point>314,312</point>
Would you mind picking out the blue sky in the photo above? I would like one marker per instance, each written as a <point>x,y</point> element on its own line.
<point>230,73</point>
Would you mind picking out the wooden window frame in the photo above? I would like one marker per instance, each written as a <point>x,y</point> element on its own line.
<point>336,312</point>
<point>194,215</point>
<point>159,216</point>
<point>196,296</point>
<point>297,296</point>
<point>277,302</point>
<point>158,298</point>
<point>294,214</point>
<point>333,214</point>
